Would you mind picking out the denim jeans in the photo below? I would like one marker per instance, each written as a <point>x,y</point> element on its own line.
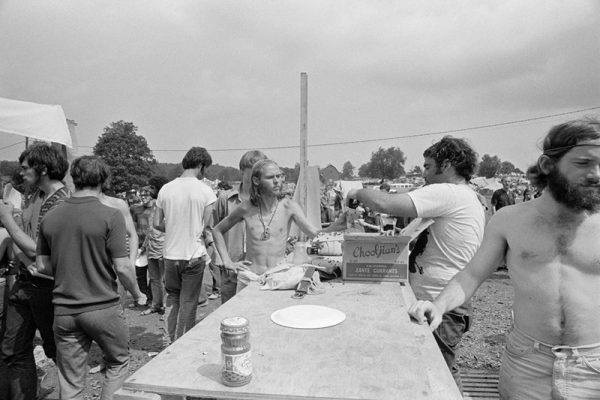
<point>156,274</point>
<point>74,335</point>
<point>215,272</point>
<point>141,275</point>
<point>28,308</point>
<point>447,335</point>
<point>534,370</point>
<point>183,282</point>
<point>228,284</point>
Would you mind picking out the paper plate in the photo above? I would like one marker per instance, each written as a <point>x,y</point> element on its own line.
<point>308,317</point>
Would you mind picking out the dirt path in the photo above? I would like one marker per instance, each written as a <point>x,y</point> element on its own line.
<point>145,340</point>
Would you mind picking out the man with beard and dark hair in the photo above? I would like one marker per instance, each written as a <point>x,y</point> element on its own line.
<point>451,241</point>
<point>551,250</point>
<point>29,306</point>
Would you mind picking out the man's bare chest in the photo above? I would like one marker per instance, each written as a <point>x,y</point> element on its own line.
<point>569,245</point>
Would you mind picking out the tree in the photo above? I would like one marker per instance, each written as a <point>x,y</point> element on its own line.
<point>348,170</point>
<point>385,163</point>
<point>228,174</point>
<point>489,166</point>
<point>8,168</point>
<point>128,155</point>
<point>416,170</point>
<point>291,174</point>
<point>168,170</point>
<point>506,167</point>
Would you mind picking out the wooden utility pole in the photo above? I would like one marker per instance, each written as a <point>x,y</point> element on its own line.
<point>302,179</point>
<point>303,119</point>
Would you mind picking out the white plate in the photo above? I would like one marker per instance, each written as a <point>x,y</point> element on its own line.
<point>308,317</point>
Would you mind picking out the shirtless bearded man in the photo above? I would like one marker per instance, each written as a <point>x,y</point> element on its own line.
<point>268,216</point>
<point>550,245</point>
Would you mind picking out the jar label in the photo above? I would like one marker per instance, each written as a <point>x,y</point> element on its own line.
<point>239,363</point>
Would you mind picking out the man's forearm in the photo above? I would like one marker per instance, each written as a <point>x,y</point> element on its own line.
<point>456,293</point>
<point>128,280</point>
<point>133,248</point>
<point>20,238</point>
<point>398,204</point>
<point>221,247</point>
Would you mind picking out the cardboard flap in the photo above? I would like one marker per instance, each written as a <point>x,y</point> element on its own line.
<point>416,226</point>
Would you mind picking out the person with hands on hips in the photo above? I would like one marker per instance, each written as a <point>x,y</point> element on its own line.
<point>267,216</point>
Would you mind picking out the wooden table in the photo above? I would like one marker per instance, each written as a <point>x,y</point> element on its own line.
<point>376,353</point>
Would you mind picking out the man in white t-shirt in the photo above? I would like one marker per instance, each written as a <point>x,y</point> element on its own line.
<point>183,210</point>
<point>454,237</point>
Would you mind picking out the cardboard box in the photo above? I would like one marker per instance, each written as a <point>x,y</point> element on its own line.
<point>377,258</point>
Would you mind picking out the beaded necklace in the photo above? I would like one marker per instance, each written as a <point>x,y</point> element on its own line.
<point>266,228</point>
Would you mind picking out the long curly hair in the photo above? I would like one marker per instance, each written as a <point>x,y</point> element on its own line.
<point>458,152</point>
<point>559,141</point>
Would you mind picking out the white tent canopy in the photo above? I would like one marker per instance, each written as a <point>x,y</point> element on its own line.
<point>38,121</point>
<point>486,183</point>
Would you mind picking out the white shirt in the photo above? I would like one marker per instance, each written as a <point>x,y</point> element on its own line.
<point>183,201</point>
<point>453,239</point>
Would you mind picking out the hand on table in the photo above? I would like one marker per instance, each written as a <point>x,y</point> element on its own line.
<point>426,311</point>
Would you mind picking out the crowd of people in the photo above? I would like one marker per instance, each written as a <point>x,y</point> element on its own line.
<point>74,254</point>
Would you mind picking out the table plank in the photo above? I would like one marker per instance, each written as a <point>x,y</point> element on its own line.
<point>376,353</point>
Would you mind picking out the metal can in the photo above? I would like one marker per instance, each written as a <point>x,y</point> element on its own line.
<point>236,354</point>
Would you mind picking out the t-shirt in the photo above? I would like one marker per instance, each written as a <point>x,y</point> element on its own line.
<point>82,236</point>
<point>31,219</point>
<point>154,239</point>
<point>235,238</point>
<point>183,201</point>
<point>455,236</point>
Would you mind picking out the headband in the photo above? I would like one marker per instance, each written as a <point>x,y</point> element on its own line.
<point>554,151</point>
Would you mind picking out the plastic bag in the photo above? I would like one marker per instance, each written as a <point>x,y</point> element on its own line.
<point>287,276</point>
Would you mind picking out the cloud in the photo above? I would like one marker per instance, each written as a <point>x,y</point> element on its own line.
<point>226,73</point>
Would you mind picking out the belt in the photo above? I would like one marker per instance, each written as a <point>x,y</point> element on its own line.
<point>197,259</point>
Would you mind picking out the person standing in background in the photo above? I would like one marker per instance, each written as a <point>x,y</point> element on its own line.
<point>183,210</point>
<point>235,238</point>
<point>85,255</point>
<point>502,197</point>
<point>152,245</point>
<point>29,307</point>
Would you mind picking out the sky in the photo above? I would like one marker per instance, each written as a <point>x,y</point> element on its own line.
<point>225,75</point>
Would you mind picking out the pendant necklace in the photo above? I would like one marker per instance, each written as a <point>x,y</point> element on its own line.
<point>266,228</point>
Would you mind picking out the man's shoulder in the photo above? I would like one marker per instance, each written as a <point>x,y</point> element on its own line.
<point>518,213</point>
<point>289,204</point>
<point>435,189</point>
